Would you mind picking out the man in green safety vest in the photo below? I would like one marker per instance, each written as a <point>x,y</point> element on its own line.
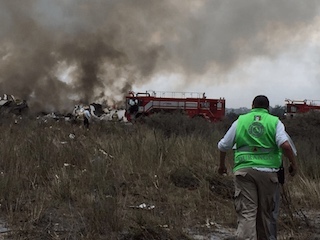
<point>259,139</point>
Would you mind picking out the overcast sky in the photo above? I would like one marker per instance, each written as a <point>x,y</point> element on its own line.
<point>56,53</point>
<point>292,74</point>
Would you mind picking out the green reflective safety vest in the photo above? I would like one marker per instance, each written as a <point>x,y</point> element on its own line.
<point>256,141</point>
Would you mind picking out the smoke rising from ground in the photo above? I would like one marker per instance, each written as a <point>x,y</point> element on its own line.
<point>55,52</point>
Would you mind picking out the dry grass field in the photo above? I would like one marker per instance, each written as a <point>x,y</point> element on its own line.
<point>152,180</point>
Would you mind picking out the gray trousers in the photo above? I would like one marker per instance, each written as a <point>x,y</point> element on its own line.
<point>255,204</point>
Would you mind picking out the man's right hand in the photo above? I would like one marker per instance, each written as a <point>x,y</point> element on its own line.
<point>293,169</point>
<point>222,170</point>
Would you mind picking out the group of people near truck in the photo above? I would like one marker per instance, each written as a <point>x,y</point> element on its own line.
<point>86,114</point>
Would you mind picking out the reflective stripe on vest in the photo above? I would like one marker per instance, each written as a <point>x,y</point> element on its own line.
<point>255,149</point>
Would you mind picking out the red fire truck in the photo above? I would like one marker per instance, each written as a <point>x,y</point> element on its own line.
<point>194,104</point>
<point>294,107</point>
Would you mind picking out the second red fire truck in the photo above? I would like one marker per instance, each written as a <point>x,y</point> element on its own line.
<point>294,107</point>
<point>193,104</point>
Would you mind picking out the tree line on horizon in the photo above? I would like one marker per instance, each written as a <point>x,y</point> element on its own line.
<point>277,110</point>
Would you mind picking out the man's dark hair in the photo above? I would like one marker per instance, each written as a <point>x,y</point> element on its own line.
<point>261,101</point>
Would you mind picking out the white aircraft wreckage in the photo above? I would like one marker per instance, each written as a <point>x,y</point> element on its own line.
<point>81,113</point>
<point>87,114</point>
<point>9,104</point>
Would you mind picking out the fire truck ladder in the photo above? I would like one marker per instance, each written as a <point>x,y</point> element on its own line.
<point>171,103</point>
<point>166,94</point>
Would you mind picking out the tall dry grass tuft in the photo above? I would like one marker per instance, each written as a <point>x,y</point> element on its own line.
<point>308,190</point>
<point>154,180</point>
<point>305,132</point>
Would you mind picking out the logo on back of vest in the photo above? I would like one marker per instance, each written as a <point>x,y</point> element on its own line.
<point>256,129</point>
<point>257,118</point>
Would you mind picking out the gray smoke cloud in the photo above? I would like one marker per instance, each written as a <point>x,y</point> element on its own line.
<point>56,53</point>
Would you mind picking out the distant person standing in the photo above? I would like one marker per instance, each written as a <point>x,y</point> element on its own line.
<point>258,139</point>
<point>86,117</point>
<point>115,116</point>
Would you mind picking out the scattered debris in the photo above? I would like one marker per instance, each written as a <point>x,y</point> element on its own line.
<point>72,136</point>
<point>68,165</point>
<point>143,206</point>
<point>105,153</point>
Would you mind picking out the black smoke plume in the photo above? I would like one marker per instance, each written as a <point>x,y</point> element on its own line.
<point>56,53</point>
